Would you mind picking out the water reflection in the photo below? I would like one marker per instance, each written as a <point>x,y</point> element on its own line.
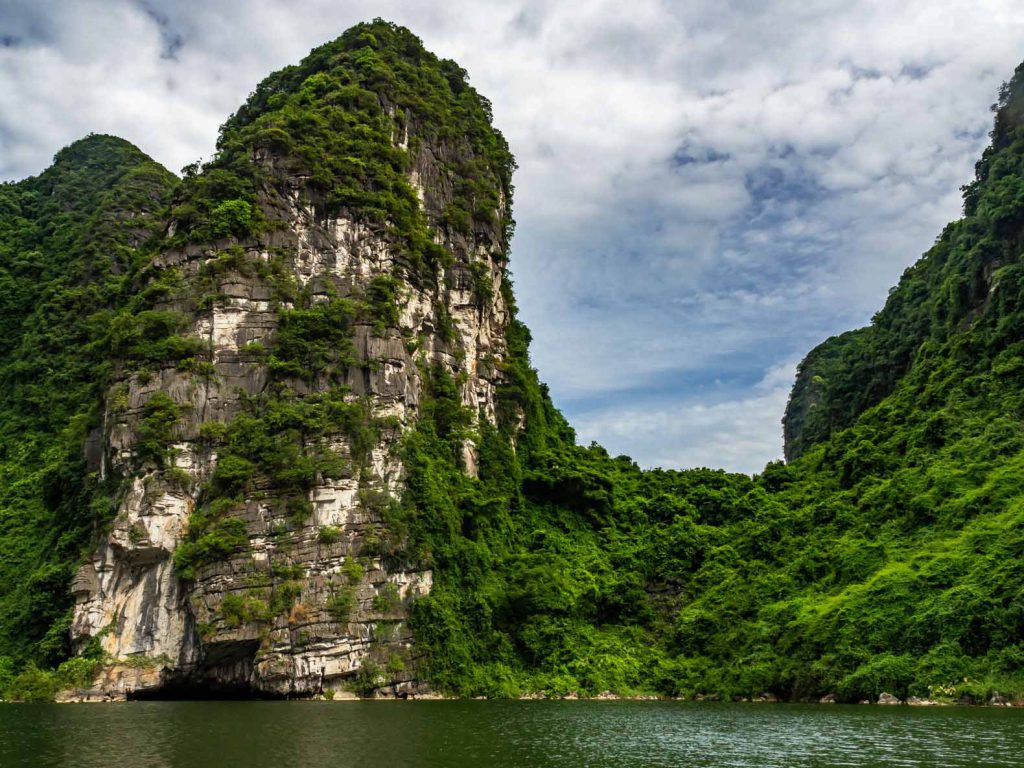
<point>513,734</point>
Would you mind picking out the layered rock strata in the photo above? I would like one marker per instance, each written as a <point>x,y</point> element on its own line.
<point>267,619</point>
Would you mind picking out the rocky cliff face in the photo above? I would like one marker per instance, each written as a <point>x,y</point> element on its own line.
<point>270,375</point>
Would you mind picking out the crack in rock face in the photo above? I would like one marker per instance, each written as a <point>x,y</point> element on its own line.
<point>301,604</point>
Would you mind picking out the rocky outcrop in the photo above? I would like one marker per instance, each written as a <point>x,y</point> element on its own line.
<point>309,603</point>
<point>812,413</point>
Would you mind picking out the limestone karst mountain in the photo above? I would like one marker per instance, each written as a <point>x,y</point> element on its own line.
<point>347,245</point>
<point>271,429</point>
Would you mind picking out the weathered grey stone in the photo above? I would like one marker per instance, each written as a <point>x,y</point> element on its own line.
<point>129,593</point>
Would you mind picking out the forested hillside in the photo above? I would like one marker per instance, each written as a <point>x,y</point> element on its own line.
<point>71,240</point>
<point>886,555</point>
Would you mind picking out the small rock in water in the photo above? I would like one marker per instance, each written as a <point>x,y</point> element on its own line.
<point>828,698</point>
<point>429,695</point>
<point>888,698</point>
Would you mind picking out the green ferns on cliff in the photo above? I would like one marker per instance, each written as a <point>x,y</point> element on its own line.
<point>887,555</point>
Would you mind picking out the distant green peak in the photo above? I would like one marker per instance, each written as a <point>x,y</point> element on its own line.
<point>87,167</point>
<point>99,152</point>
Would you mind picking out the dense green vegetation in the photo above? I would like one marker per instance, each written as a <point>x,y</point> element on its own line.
<point>887,555</point>
<point>966,287</point>
<point>281,441</point>
<point>349,120</point>
<point>71,240</point>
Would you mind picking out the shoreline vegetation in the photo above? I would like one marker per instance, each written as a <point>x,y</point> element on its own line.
<point>74,682</point>
<point>886,699</point>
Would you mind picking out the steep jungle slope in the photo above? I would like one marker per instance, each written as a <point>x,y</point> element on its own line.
<point>949,291</point>
<point>899,563</point>
<point>888,557</point>
<point>70,241</point>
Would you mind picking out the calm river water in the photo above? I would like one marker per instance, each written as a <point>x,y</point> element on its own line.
<point>482,734</point>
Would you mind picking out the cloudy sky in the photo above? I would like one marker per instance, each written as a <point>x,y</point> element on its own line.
<point>706,190</point>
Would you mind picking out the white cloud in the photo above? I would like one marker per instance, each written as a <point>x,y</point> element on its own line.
<point>705,188</point>
<point>741,433</point>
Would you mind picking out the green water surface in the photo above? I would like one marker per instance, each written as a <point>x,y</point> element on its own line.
<point>495,733</point>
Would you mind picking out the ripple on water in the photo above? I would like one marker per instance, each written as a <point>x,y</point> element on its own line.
<point>530,734</point>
